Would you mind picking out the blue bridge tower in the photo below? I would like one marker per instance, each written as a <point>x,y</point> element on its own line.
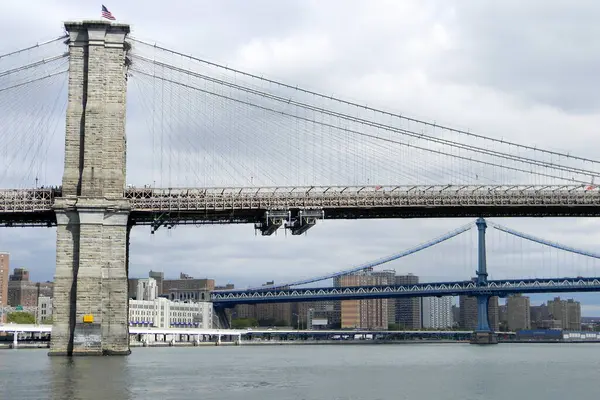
<point>484,334</point>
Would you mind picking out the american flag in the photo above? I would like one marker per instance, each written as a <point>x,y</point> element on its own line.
<point>107,14</point>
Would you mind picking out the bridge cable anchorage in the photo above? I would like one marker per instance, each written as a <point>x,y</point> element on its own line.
<point>37,45</point>
<point>535,239</point>
<point>375,263</point>
<point>439,152</point>
<point>362,121</point>
<point>364,107</point>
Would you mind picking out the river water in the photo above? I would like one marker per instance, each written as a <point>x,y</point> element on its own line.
<point>310,372</point>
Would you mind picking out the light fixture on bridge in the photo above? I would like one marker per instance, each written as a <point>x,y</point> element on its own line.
<point>162,219</point>
<point>273,221</point>
<point>306,219</point>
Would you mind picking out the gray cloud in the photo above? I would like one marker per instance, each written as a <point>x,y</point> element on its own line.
<point>543,52</point>
<point>454,63</point>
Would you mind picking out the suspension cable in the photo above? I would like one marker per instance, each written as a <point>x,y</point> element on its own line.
<point>34,46</point>
<point>364,107</point>
<point>470,159</point>
<point>406,132</point>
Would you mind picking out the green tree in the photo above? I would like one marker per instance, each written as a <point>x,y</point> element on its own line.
<point>241,323</point>
<point>21,317</point>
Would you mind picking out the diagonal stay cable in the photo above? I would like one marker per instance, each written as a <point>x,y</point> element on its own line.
<point>34,46</point>
<point>33,80</point>
<point>470,159</point>
<point>364,107</point>
<point>371,264</point>
<point>545,242</point>
<point>363,121</point>
<point>33,65</point>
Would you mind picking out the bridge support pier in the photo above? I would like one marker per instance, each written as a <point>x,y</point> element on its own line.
<point>484,334</point>
<point>90,292</point>
<point>90,315</point>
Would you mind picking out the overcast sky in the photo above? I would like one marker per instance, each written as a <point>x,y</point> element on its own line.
<point>519,71</point>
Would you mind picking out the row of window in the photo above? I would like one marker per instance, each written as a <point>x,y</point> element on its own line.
<point>177,314</point>
<point>171,321</point>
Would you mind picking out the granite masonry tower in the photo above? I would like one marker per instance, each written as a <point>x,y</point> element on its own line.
<point>90,292</point>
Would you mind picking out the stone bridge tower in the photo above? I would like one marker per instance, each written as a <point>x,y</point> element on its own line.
<point>90,293</point>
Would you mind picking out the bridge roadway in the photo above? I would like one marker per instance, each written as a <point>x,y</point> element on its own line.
<point>502,288</point>
<point>23,207</point>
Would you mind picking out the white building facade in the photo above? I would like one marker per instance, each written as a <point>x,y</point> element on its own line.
<point>164,313</point>
<point>147,289</point>
<point>44,312</point>
<point>437,312</point>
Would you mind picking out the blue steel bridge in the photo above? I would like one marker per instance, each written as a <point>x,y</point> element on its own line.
<point>478,286</point>
<point>501,288</point>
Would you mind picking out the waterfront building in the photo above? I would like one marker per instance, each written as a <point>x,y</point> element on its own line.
<point>147,289</point>
<point>4,267</point>
<point>408,310</point>
<point>455,315</point>
<point>538,314</point>
<point>19,274</point>
<point>269,314</point>
<point>23,292</point>
<point>437,312</point>
<point>364,314</point>
<point>568,312</point>
<point>390,278</point>
<point>185,288</point>
<point>165,313</point>
<point>44,312</point>
<point>322,314</point>
<point>518,313</point>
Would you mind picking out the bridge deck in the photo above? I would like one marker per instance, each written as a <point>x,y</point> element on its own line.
<point>248,204</point>
<point>229,298</point>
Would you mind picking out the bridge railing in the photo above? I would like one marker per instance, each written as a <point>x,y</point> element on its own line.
<point>357,196</point>
<point>254,198</point>
<point>26,200</point>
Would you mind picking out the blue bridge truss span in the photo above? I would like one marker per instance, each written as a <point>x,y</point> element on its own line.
<point>500,288</point>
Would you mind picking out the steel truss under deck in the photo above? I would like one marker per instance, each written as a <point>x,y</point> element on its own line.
<point>298,208</point>
<point>500,288</point>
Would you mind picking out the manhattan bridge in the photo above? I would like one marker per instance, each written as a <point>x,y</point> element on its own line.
<point>211,144</point>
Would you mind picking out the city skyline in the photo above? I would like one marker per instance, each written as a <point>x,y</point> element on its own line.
<point>435,52</point>
<point>535,299</point>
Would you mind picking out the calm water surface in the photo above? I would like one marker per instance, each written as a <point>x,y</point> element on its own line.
<point>422,371</point>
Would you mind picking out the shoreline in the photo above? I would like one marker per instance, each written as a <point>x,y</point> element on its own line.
<point>46,345</point>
